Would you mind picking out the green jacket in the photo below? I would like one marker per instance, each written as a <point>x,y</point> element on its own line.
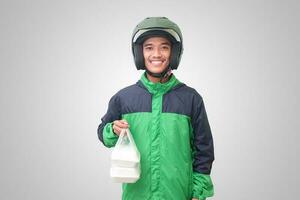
<point>169,124</point>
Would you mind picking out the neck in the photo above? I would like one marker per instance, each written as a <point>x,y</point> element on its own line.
<point>157,80</point>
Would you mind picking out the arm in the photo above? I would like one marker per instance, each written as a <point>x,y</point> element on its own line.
<point>203,152</point>
<point>105,130</point>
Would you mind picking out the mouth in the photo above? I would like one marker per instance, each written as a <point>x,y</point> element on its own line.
<point>156,62</point>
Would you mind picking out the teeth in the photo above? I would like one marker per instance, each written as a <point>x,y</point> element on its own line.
<point>156,62</point>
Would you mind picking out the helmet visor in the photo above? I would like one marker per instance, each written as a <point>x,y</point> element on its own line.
<point>141,35</point>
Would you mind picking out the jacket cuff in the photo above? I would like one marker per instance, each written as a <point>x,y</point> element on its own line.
<point>109,137</point>
<point>202,186</point>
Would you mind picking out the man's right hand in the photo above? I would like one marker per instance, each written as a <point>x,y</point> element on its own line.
<point>118,125</point>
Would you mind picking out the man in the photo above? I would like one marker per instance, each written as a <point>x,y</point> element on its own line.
<point>167,120</point>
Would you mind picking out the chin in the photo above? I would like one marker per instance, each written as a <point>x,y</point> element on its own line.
<point>153,71</point>
<point>156,70</point>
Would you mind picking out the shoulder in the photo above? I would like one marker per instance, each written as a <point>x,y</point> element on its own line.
<point>131,90</point>
<point>194,99</point>
<point>132,99</point>
<point>131,93</point>
<point>189,92</point>
<point>182,99</point>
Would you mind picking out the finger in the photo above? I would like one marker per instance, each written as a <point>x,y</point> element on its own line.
<point>117,130</point>
<point>117,122</point>
<point>124,121</point>
<point>120,124</point>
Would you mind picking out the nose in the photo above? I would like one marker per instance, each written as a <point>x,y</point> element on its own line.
<point>156,52</point>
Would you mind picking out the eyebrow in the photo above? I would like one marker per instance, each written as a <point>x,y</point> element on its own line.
<point>164,43</point>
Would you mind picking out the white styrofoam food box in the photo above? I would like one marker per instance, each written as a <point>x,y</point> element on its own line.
<point>125,174</point>
<point>125,156</point>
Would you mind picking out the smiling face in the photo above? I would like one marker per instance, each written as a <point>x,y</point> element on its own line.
<point>157,51</point>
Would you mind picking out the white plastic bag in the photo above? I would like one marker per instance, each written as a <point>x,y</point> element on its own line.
<point>125,159</point>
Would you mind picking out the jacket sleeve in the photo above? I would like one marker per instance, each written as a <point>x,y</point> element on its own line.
<point>105,130</point>
<point>203,151</point>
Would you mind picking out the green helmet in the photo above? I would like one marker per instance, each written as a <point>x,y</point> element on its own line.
<point>157,26</point>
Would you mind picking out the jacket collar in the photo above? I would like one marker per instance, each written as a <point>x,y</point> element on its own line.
<point>159,88</point>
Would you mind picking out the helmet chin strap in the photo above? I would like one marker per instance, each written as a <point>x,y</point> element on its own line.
<point>161,75</point>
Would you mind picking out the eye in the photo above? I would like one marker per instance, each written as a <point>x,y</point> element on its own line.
<point>148,48</point>
<point>165,47</point>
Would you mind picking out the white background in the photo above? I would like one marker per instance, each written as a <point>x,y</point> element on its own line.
<point>61,61</point>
